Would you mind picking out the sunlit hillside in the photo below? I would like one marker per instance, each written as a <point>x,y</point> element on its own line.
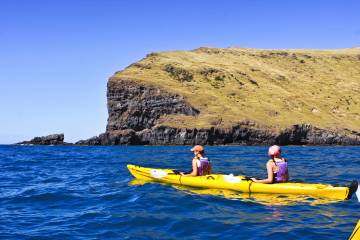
<point>275,88</point>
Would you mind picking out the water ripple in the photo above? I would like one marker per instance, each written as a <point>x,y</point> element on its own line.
<point>84,193</point>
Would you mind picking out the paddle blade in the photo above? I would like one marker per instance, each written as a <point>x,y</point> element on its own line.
<point>353,188</point>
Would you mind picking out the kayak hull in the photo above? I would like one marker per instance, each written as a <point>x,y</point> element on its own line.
<point>356,233</point>
<point>239,183</point>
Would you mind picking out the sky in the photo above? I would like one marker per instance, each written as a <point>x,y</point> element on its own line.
<point>56,56</point>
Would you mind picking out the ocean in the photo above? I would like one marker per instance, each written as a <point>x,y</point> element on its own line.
<point>85,192</point>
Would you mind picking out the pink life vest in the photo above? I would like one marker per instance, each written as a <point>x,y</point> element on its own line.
<point>203,166</point>
<point>282,174</point>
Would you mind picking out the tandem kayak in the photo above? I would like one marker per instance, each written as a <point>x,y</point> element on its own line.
<point>242,183</point>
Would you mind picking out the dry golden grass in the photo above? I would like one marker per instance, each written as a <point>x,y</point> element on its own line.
<point>275,88</point>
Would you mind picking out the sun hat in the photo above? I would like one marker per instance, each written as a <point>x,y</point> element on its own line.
<point>198,148</point>
<point>274,150</point>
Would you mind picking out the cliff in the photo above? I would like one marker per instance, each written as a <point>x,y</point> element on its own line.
<point>236,96</point>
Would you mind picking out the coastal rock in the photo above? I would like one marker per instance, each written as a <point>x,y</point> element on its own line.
<point>53,139</point>
<point>303,134</point>
<point>206,136</point>
<point>239,135</point>
<point>96,140</point>
<point>204,96</point>
<point>135,106</point>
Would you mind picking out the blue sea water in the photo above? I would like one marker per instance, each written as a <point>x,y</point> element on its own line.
<point>73,192</point>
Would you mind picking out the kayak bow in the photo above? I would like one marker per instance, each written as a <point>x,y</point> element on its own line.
<point>356,233</point>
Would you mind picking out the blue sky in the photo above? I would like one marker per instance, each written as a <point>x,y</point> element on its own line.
<point>56,56</point>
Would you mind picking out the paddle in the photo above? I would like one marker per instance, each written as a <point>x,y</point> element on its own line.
<point>177,172</point>
<point>353,188</point>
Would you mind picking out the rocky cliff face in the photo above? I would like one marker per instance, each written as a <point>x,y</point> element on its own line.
<point>136,106</point>
<point>134,110</point>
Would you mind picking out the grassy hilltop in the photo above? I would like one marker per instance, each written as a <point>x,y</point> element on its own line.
<point>275,88</point>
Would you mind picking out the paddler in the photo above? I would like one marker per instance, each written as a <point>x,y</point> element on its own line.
<point>277,167</point>
<point>200,164</point>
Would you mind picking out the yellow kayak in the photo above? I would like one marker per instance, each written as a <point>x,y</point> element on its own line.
<point>242,183</point>
<point>356,233</point>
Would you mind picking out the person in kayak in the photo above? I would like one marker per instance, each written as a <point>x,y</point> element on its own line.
<point>200,164</point>
<point>277,167</point>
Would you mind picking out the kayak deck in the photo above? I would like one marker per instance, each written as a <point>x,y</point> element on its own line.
<point>241,183</point>
<point>356,233</point>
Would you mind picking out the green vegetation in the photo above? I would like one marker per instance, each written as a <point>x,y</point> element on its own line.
<point>274,88</point>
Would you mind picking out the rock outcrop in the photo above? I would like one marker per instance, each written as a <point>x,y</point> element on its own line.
<point>53,139</point>
<point>134,110</point>
<point>235,96</point>
<point>137,107</point>
<point>237,135</point>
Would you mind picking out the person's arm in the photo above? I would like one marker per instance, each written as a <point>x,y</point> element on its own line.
<point>194,169</point>
<point>270,172</point>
